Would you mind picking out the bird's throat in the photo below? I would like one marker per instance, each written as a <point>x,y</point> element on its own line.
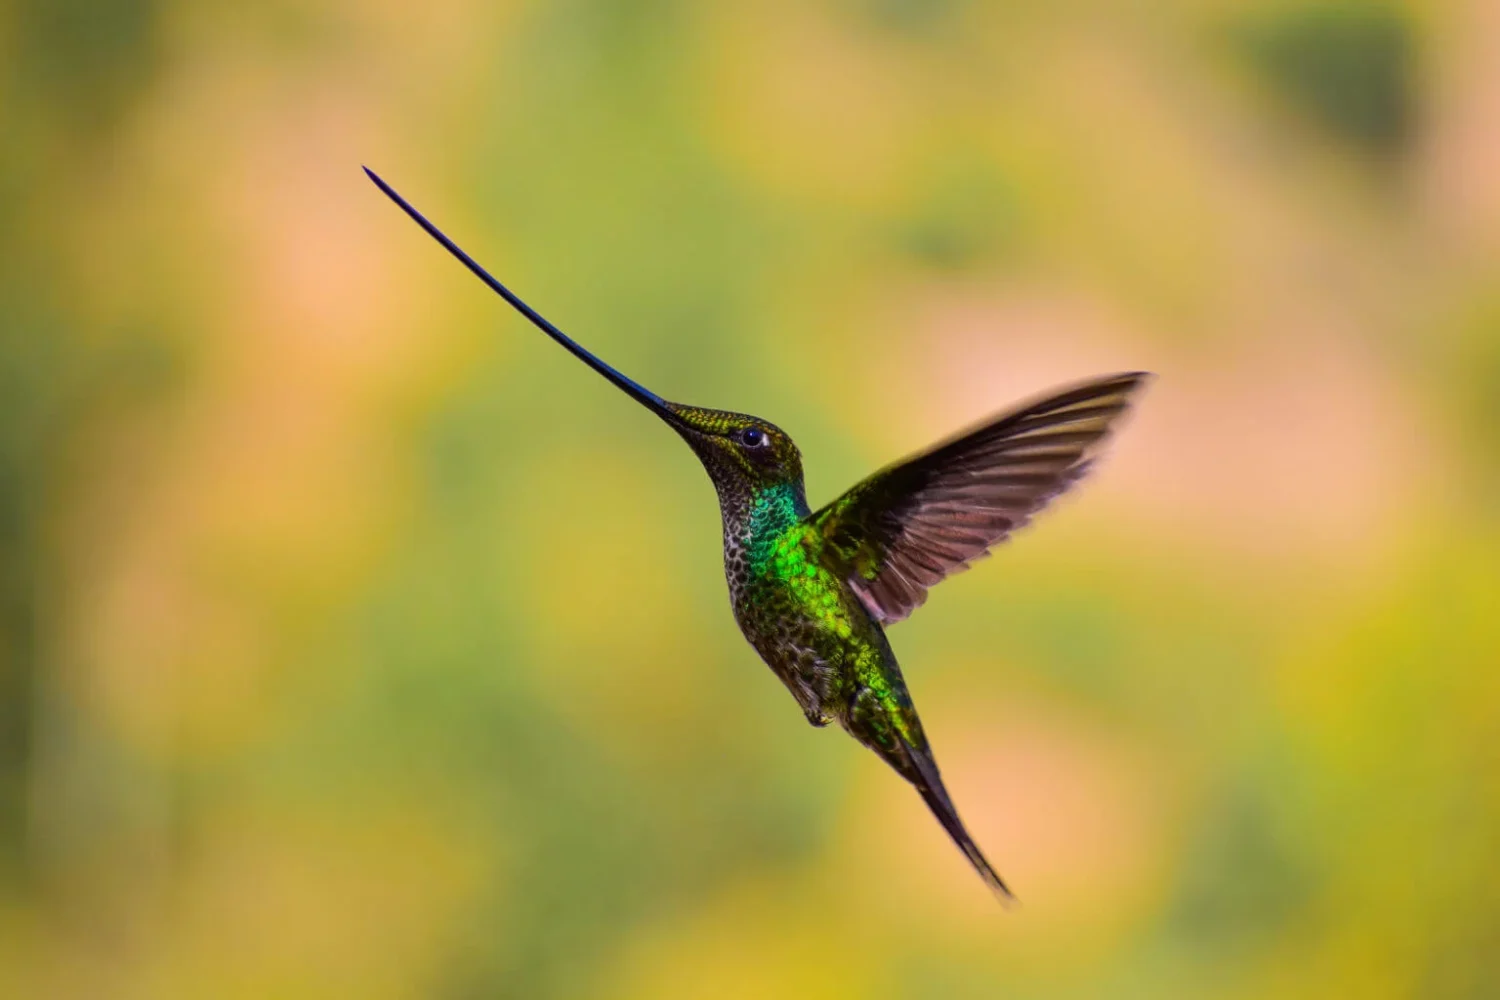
<point>769,513</point>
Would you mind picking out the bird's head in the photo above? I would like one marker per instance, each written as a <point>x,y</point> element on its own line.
<point>739,451</point>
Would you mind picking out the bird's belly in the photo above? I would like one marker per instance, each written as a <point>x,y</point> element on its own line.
<point>804,647</point>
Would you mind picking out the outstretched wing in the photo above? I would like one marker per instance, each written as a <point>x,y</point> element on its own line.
<point>899,532</point>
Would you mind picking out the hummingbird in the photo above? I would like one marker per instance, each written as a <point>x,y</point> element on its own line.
<point>813,591</point>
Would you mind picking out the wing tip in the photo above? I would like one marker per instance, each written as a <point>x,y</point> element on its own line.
<point>1132,384</point>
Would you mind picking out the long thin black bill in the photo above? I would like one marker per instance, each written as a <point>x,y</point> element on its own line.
<point>634,388</point>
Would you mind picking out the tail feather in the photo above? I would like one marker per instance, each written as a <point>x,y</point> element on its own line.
<point>923,773</point>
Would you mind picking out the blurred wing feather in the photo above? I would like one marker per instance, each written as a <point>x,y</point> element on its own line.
<point>910,525</point>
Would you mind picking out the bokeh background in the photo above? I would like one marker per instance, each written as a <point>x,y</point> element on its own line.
<point>357,642</point>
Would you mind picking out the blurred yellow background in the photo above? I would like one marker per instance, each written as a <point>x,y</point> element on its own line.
<point>355,641</point>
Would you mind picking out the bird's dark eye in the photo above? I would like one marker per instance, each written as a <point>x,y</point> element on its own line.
<point>752,437</point>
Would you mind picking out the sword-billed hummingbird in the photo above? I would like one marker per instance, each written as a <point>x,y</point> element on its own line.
<point>813,590</point>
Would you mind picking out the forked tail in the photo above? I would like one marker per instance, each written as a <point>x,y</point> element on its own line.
<point>923,773</point>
